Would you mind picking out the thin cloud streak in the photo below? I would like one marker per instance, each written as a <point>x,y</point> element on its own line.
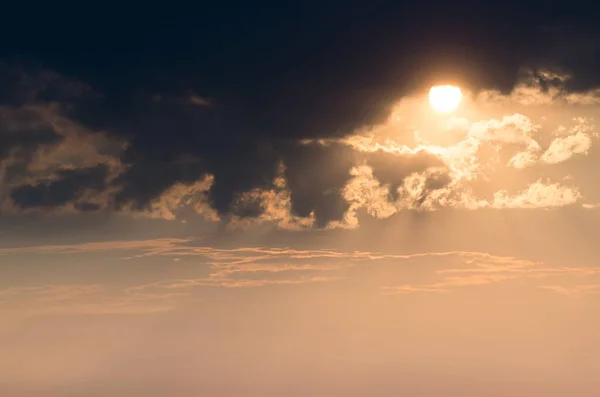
<point>496,271</point>
<point>259,267</point>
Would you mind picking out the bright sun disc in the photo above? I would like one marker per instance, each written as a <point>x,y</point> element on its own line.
<point>444,98</point>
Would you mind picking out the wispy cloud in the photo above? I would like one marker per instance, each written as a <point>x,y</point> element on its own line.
<point>573,290</point>
<point>199,101</point>
<point>154,245</point>
<point>495,270</point>
<point>83,299</point>
<point>256,267</point>
<point>44,152</point>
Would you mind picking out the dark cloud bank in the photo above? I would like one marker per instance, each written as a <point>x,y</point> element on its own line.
<point>232,93</point>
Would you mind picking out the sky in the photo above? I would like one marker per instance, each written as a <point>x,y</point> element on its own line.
<point>259,200</point>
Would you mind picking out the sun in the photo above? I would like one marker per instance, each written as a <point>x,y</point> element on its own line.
<point>444,98</point>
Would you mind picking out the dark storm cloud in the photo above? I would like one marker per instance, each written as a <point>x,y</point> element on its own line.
<point>67,188</point>
<point>21,85</point>
<point>23,131</point>
<point>573,47</point>
<point>31,104</point>
<point>241,166</point>
<point>316,175</point>
<point>275,75</point>
<point>37,143</point>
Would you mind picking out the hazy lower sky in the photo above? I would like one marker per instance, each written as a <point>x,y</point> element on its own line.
<point>261,201</point>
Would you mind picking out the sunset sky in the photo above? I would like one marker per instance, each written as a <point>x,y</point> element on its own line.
<point>262,200</point>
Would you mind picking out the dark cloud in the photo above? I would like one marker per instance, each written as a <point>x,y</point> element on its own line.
<point>23,131</point>
<point>316,175</point>
<point>146,180</point>
<point>21,85</point>
<point>572,47</point>
<point>69,187</point>
<point>87,207</point>
<point>275,75</point>
<point>252,208</point>
<point>392,169</point>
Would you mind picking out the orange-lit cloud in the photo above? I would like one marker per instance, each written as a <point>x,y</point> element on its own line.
<point>542,87</point>
<point>254,267</point>
<point>493,270</point>
<point>493,153</point>
<point>573,290</point>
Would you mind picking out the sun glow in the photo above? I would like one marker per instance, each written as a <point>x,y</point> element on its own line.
<point>444,98</point>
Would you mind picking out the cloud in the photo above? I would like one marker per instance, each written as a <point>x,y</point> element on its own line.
<point>543,87</point>
<point>77,187</point>
<point>573,290</point>
<point>190,99</point>
<point>269,205</point>
<point>562,148</point>
<point>50,163</point>
<point>260,267</point>
<point>199,101</point>
<point>481,271</point>
<point>66,155</point>
<point>178,197</point>
<point>449,283</point>
<point>537,195</point>
<point>483,153</point>
<point>154,245</point>
<point>21,86</point>
<point>82,299</point>
<point>590,206</point>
